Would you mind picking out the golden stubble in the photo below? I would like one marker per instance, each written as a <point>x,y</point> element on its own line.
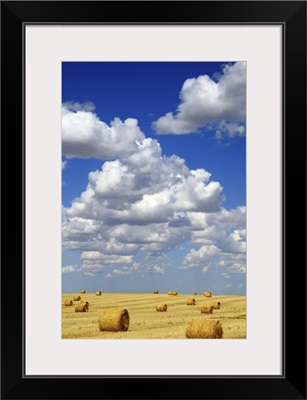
<point>146,322</point>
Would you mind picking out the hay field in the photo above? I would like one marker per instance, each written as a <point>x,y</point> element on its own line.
<point>146,322</point>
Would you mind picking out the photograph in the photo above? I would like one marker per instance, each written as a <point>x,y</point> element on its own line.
<point>154,200</point>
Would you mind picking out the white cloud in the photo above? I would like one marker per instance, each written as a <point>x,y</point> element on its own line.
<point>118,194</point>
<point>120,272</point>
<point>77,227</point>
<point>91,266</point>
<point>88,274</point>
<point>84,135</point>
<point>156,269</point>
<point>80,233</point>
<point>144,202</point>
<point>127,270</point>
<point>64,164</point>
<point>106,259</point>
<point>69,268</point>
<point>200,258</point>
<point>235,242</point>
<point>226,251</point>
<point>153,224</point>
<point>75,106</point>
<point>234,263</point>
<point>228,285</point>
<point>229,129</point>
<point>208,227</point>
<point>136,265</point>
<point>205,101</point>
<point>233,251</point>
<point>95,261</point>
<point>139,268</point>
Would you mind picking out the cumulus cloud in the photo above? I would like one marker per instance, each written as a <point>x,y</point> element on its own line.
<point>105,258</point>
<point>111,221</point>
<point>84,135</point>
<point>208,227</point>
<point>152,238</point>
<point>118,194</point>
<point>76,106</point>
<point>206,101</point>
<point>156,269</point>
<point>80,227</point>
<point>139,268</point>
<point>229,250</point>
<point>233,251</point>
<point>123,211</point>
<point>96,262</point>
<point>235,263</point>
<point>229,129</point>
<point>69,268</point>
<point>201,257</point>
<point>141,201</point>
<point>144,201</point>
<point>120,272</point>
<point>88,274</point>
<point>235,242</point>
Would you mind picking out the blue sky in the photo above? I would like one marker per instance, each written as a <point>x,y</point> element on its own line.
<point>154,177</point>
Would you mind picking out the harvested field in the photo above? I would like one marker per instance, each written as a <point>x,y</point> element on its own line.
<point>146,322</point>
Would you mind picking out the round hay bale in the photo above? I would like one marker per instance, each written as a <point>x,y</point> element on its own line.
<point>82,291</point>
<point>194,294</point>
<point>174,293</point>
<point>216,305</point>
<point>98,293</point>
<point>170,293</point>
<point>161,307</point>
<point>207,294</point>
<point>82,306</point>
<point>114,320</point>
<point>208,329</point>
<point>68,303</point>
<point>76,298</point>
<point>191,302</point>
<point>155,292</point>
<point>206,310</point>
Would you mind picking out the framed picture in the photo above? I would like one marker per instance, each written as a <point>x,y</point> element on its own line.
<point>167,139</point>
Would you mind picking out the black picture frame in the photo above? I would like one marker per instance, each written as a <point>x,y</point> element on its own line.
<point>292,383</point>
